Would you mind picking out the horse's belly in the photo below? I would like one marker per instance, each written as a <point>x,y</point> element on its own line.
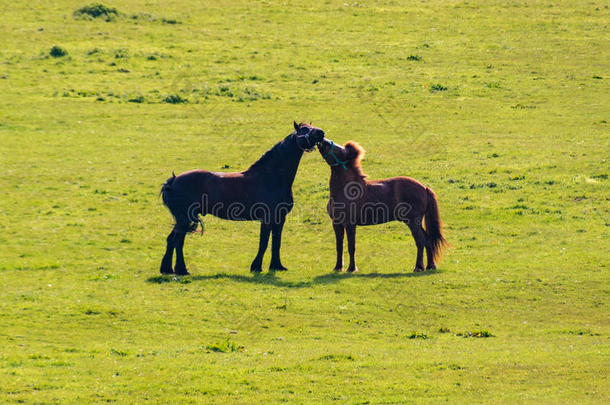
<point>249,209</point>
<point>362,212</point>
<point>232,214</point>
<point>375,213</point>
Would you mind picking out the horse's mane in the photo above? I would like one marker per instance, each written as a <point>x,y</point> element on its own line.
<point>356,163</point>
<point>268,156</point>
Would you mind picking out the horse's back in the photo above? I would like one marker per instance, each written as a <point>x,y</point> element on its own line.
<point>187,180</point>
<point>201,181</point>
<point>412,192</point>
<point>402,190</point>
<point>400,185</point>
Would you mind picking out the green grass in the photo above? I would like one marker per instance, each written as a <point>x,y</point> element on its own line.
<point>515,143</point>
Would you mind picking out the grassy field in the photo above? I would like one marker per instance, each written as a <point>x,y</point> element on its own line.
<point>501,107</point>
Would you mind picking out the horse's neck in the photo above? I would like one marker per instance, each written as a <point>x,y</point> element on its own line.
<point>285,164</point>
<point>339,178</point>
<point>291,163</point>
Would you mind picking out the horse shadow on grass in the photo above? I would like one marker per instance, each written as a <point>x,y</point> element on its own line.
<point>271,278</point>
<point>331,278</point>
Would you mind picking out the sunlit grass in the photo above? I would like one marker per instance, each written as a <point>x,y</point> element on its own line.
<point>500,107</point>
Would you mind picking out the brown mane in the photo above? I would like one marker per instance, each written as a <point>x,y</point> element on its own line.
<point>355,155</point>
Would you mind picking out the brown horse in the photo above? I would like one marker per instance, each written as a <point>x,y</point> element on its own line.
<point>261,193</point>
<point>357,201</point>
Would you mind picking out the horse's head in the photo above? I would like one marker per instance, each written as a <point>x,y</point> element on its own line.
<point>308,136</point>
<point>336,155</point>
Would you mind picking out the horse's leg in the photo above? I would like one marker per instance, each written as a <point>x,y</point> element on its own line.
<point>350,230</point>
<point>420,241</point>
<point>166,263</point>
<point>276,243</point>
<point>257,264</point>
<point>339,232</point>
<point>180,268</point>
<point>429,253</point>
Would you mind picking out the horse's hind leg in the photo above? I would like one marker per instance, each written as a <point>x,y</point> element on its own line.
<point>180,265</point>
<point>430,254</point>
<point>166,262</point>
<point>420,241</point>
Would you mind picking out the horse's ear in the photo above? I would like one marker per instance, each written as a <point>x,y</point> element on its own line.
<point>296,126</point>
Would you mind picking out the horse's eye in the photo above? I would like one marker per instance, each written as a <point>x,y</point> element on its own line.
<point>304,131</point>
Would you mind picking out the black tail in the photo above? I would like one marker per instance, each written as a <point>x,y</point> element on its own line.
<point>185,213</point>
<point>167,185</point>
<point>434,226</point>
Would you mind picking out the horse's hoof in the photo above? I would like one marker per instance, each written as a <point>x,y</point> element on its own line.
<point>431,267</point>
<point>256,266</point>
<point>277,268</point>
<point>418,269</point>
<point>182,272</point>
<point>338,269</point>
<point>352,270</point>
<point>166,266</point>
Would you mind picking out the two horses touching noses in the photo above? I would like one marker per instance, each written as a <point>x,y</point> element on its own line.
<point>263,193</point>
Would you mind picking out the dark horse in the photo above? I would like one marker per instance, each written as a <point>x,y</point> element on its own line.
<point>357,201</point>
<point>261,193</point>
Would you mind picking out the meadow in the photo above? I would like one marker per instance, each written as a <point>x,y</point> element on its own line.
<point>501,107</point>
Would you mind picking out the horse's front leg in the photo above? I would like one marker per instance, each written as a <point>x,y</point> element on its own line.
<point>257,264</point>
<point>276,243</point>
<point>350,230</point>
<point>339,232</point>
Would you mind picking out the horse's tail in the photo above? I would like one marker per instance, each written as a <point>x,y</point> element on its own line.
<point>185,214</point>
<point>434,226</point>
<point>167,186</point>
